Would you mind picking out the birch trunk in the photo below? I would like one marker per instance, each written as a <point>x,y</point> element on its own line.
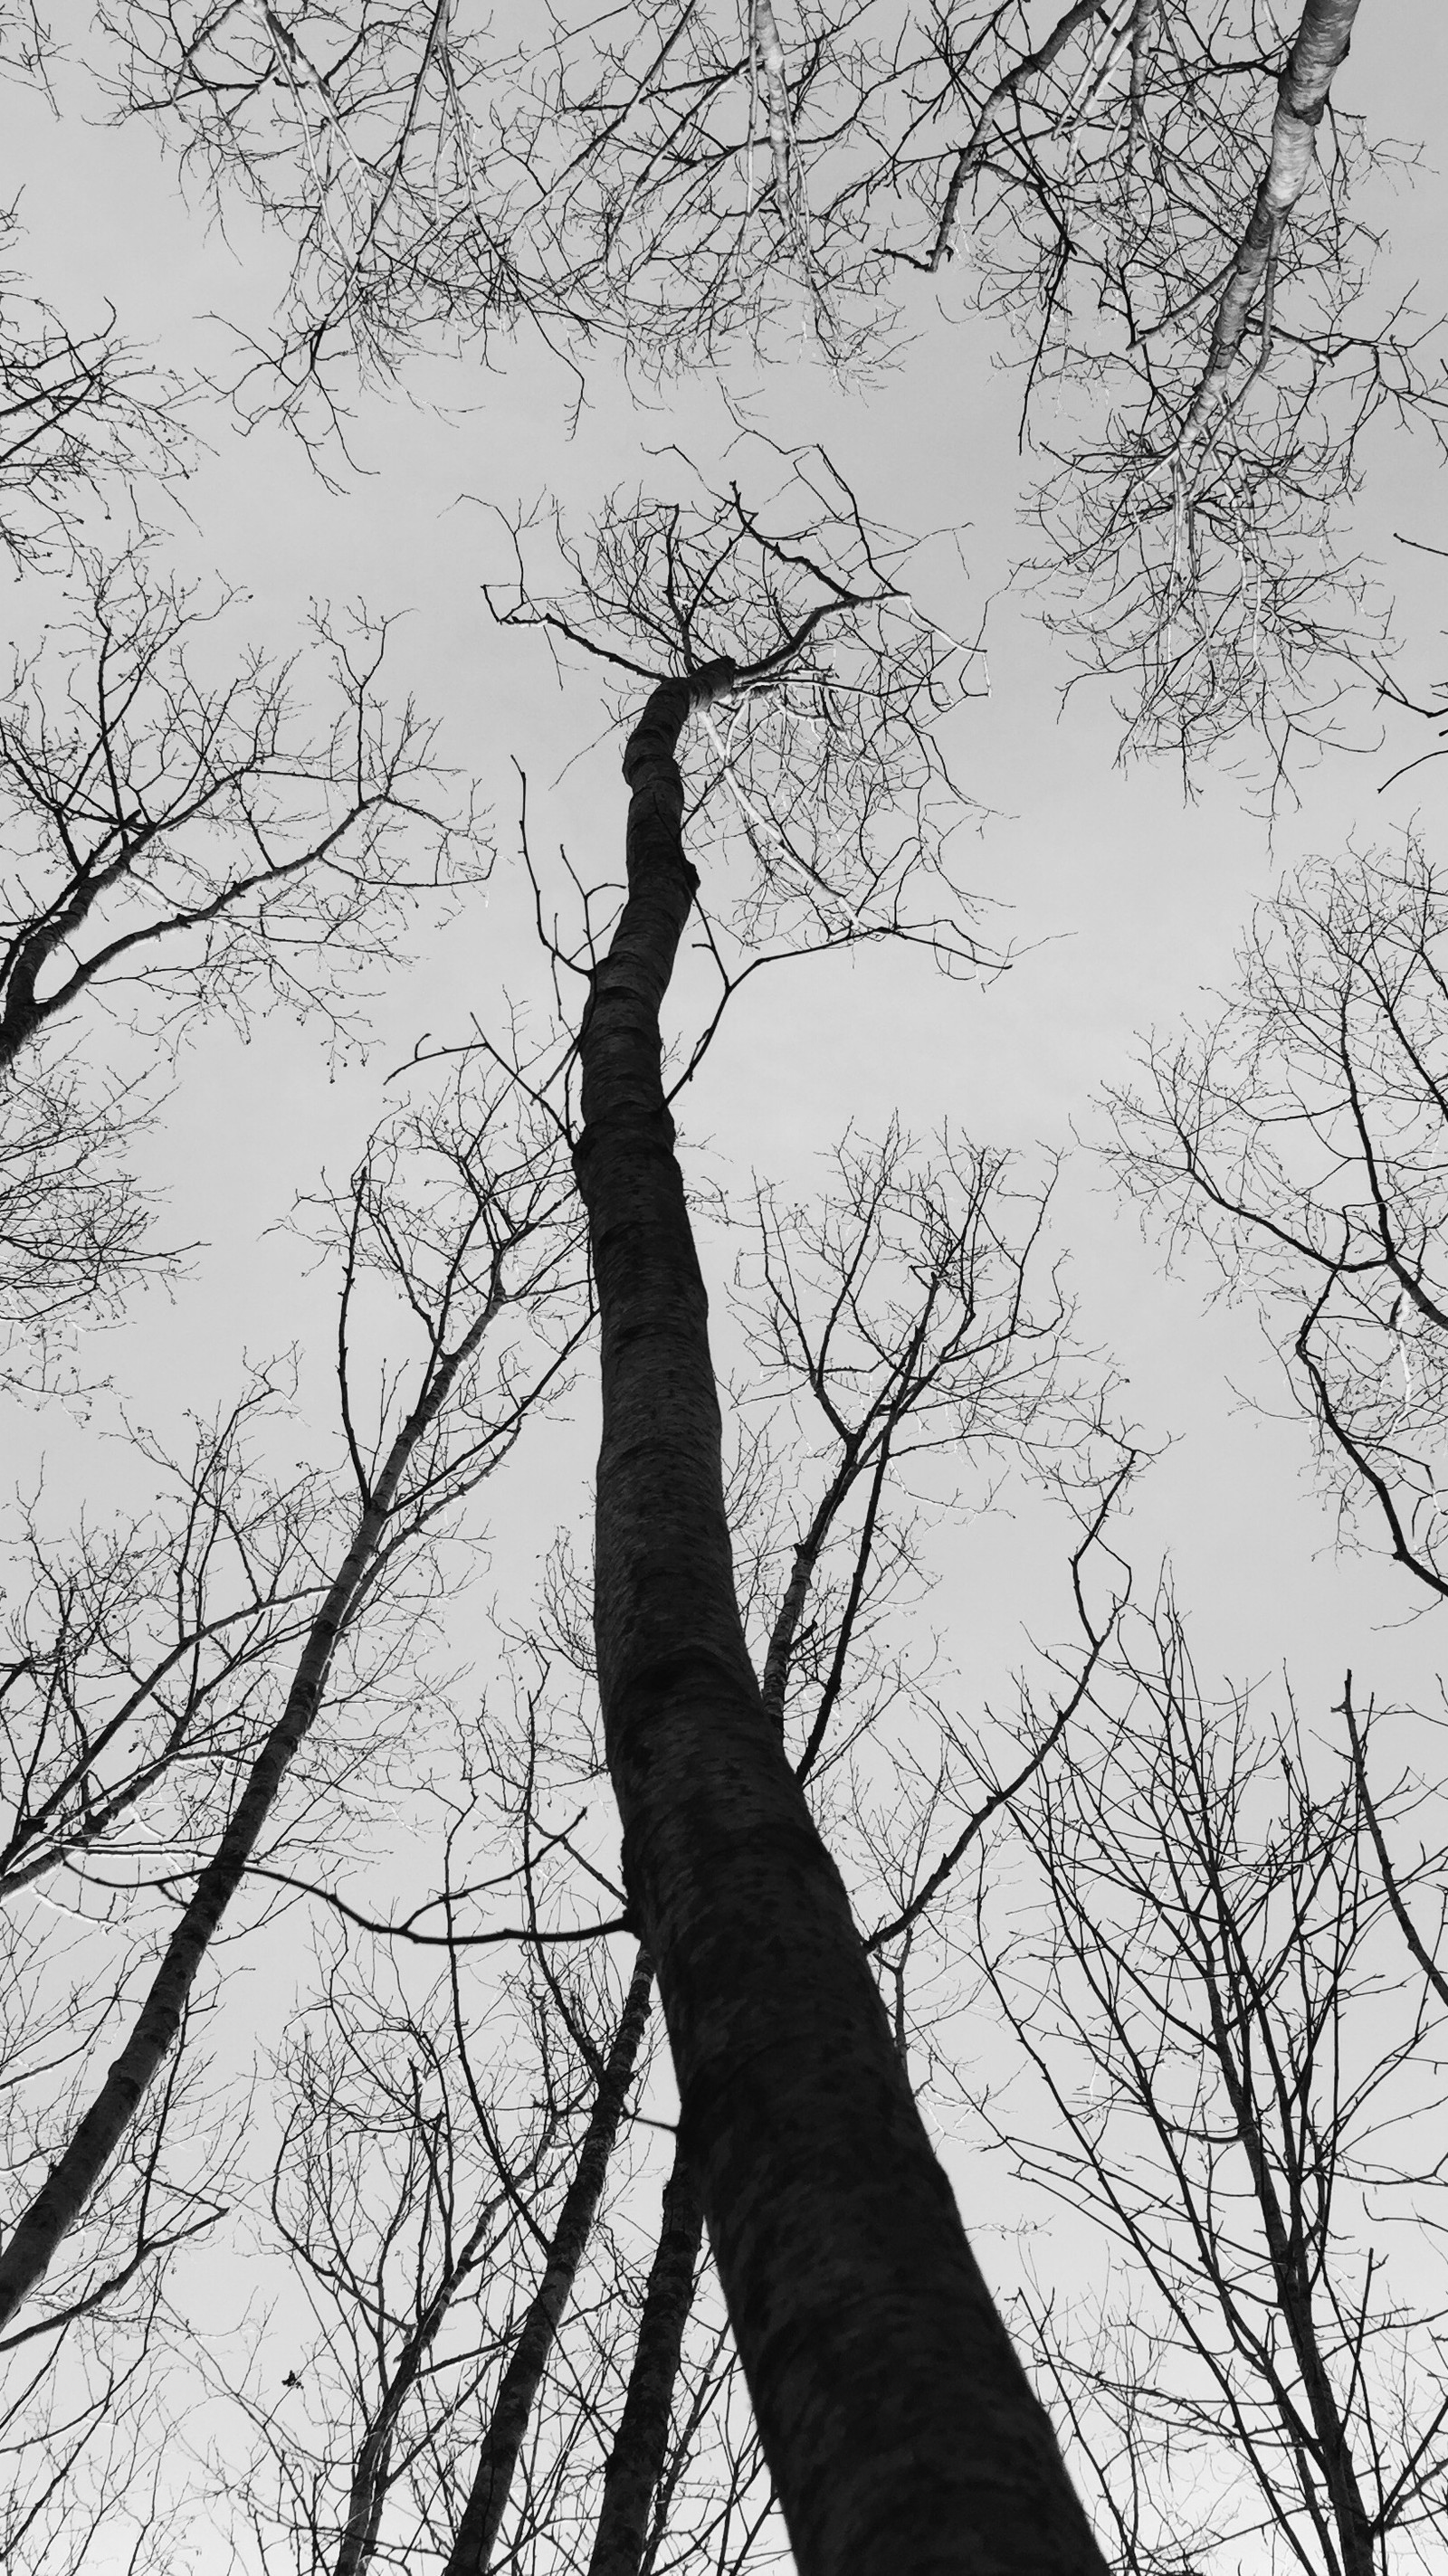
<point>1321,45</point>
<point>898,2423</point>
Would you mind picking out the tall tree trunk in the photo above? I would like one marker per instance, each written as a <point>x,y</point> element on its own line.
<point>897,2421</point>
<point>472,2550</point>
<point>63,2196</point>
<point>637,2457</point>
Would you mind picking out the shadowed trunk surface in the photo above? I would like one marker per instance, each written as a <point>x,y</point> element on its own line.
<point>637,2458</point>
<point>472,2551</point>
<point>899,2426</point>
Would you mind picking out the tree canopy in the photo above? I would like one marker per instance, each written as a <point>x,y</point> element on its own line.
<point>720,1836</point>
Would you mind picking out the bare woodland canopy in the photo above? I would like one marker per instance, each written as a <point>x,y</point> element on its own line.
<point>633,1932</point>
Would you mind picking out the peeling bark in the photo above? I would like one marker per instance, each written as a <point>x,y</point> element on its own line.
<point>1322,43</point>
<point>769,60</point>
<point>897,2421</point>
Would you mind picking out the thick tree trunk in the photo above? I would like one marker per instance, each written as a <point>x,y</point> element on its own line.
<point>472,2551</point>
<point>898,2423</point>
<point>63,2196</point>
<point>637,2458</point>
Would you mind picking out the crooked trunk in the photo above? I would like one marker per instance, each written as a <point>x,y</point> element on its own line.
<point>897,2421</point>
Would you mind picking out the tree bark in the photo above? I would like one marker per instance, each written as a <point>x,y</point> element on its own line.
<point>897,2421</point>
<point>637,2458</point>
<point>972,154</point>
<point>1321,45</point>
<point>63,2196</point>
<point>472,2550</point>
<point>368,2492</point>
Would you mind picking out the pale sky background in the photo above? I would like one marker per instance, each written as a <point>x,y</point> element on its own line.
<point>1127,900</point>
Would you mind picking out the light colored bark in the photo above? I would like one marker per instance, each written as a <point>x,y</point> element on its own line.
<point>1322,43</point>
<point>769,60</point>
<point>973,152</point>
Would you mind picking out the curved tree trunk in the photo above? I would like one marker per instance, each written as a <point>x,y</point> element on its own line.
<point>897,2421</point>
<point>1321,45</point>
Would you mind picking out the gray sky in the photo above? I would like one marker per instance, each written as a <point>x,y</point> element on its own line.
<point>1125,900</point>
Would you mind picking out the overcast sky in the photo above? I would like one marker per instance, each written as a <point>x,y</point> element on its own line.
<point>1124,899</point>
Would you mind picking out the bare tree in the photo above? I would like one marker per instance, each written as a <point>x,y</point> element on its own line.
<point>83,2391</point>
<point>135,1656</point>
<point>173,844</point>
<point>177,846</point>
<point>893,1316</point>
<point>74,1223</point>
<point>82,2453</point>
<point>1138,189</point>
<point>412,2188</point>
<point>896,1305</point>
<point>1301,1138</point>
<point>80,413</point>
<point>462,1215</point>
<point>1229,2063</point>
<point>636,2467</point>
<point>874,2357</point>
<point>476,2536</point>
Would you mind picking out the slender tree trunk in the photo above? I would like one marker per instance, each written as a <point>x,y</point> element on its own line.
<point>472,2550</point>
<point>368,2491</point>
<point>898,2423</point>
<point>1357,2529</point>
<point>63,2196</point>
<point>1321,45</point>
<point>637,2458</point>
<point>972,153</point>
